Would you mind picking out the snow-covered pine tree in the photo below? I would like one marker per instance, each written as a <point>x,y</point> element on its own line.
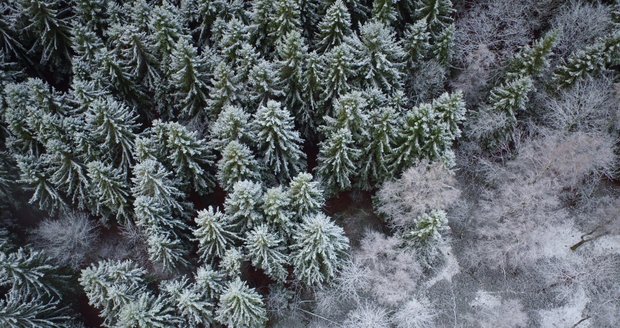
<point>34,174</point>
<point>111,284</point>
<point>147,311</point>
<point>348,112</point>
<point>416,42</point>
<point>285,18</point>
<point>112,74</point>
<point>334,26</point>
<point>436,13</point>
<point>242,205</point>
<point>234,36</point>
<point>191,304</point>
<point>338,160</point>
<point>306,196</point>
<point>223,89</point>
<point>231,125</point>
<point>210,282</point>
<point>588,61</point>
<point>384,11</point>
<point>111,127</point>
<point>237,164</point>
<point>291,56</point>
<point>414,136</point>
<point>264,85</point>
<point>275,136</point>
<point>166,249</point>
<point>110,191</point>
<point>151,213</point>
<point>375,156</point>
<point>151,179</point>
<point>532,61</point>
<point>451,110</point>
<point>261,26</point>
<point>443,45</point>
<point>266,249</point>
<point>18,310</point>
<point>241,306</point>
<point>187,79</point>
<point>428,227</point>
<point>319,250</point>
<point>187,154</point>
<point>30,273</point>
<point>231,262</point>
<point>511,97</point>
<point>378,56</point>
<point>137,53</point>
<point>311,92</point>
<point>50,30</point>
<point>214,234</point>
<point>165,28</point>
<point>336,70</point>
<point>276,207</point>
<point>68,172</point>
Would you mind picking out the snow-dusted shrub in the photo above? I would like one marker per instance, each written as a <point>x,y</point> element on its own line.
<point>393,271</point>
<point>368,315</point>
<point>518,216</point>
<point>580,23</point>
<point>422,188</point>
<point>587,106</point>
<point>491,311</point>
<point>68,240</point>
<point>415,314</point>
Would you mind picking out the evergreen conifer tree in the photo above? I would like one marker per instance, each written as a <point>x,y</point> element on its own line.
<point>285,18</point>
<point>417,42</point>
<point>231,262</point>
<point>437,13</point>
<point>223,89</point>
<point>111,284</point>
<point>336,71</point>
<point>531,61</point>
<point>378,56</point>
<point>266,251</point>
<point>237,164</point>
<point>276,138</point>
<point>291,54</point>
<point>214,234</point>
<point>241,306</point>
<point>306,195</point>
<point>110,191</point>
<point>276,207</point>
<point>384,11</point>
<point>590,60</point>
<point>231,125</point>
<point>165,28</point>
<point>337,160</point>
<point>443,45</point>
<point>30,273</point>
<point>18,310</point>
<point>187,153</point>
<point>264,85</point>
<point>190,303</point>
<point>34,173</point>
<point>112,127</point>
<point>334,27</point>
<point>319,250</point>
<point>147,311</point>
<point>378,147</point>
<point>511,98</point>
<point>188,79</point>
<point>210,282</point>
<point>242,206</point>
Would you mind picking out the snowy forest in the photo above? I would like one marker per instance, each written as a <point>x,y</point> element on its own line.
<point>309,163</point>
